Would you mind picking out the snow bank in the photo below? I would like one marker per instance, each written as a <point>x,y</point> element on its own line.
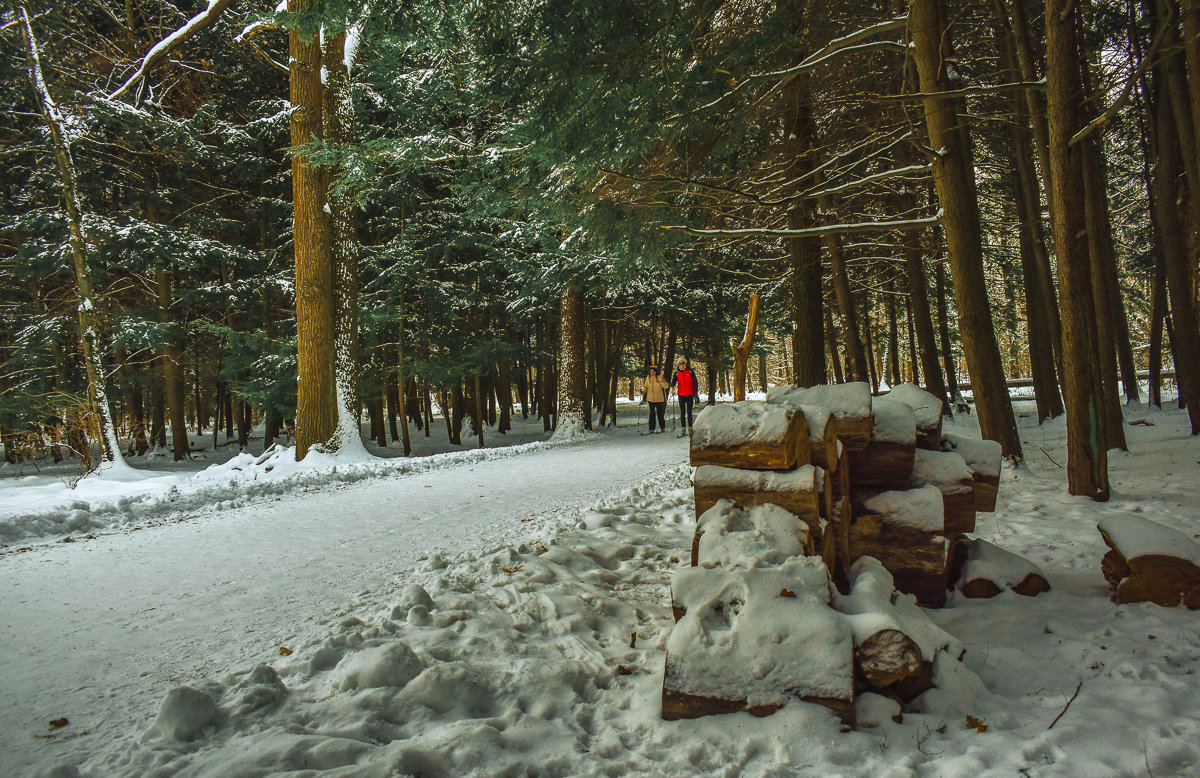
<point>732,537</point>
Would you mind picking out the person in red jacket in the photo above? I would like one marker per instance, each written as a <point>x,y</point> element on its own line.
<point>686,389</point>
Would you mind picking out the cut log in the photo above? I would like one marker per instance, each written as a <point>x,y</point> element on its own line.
<point>750,435</point>
<point>982,570</point>
<point>731,536</point>
<point>849,403</point>
<point>838,529</point>
<point>887,459</point>
<point>895,641</point>
<point>841,478</point>
<point>949,473</point>
<point>800,491</point>
<point>927,409</point>
<point>983,459</point>
<point>904,531</point>
<point>1150,562</point>
<point>753,640</point>
<point>822,437</point>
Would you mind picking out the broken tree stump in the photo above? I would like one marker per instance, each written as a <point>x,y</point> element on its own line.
<point>904,531</point>
<point>731,535</point>
<point>753,640</point>
<point>1149,562</point>
<point>949,473</point>
<point>928,411</point>
<point>750,435</point>
<point>980,569</point>
<point>849,403</point>
<point>983,458</point>
<point>887,459</point>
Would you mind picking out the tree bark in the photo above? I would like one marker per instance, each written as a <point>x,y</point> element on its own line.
<point>953,175</point>
<point>741,351</point>
<point>572,394</point>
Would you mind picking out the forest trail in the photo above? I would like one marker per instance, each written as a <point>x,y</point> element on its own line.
<point>97,631</point>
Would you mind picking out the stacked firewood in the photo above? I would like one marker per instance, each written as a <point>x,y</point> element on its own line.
<point>789,494</point>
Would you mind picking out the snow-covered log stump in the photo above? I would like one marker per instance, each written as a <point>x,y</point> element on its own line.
<point>822,437</point>
<point>751,435</point>
<point>887,459</point>
<point>928,411</point>
<point>983,459</point>
<point>850,405</point>
<point>732,536</point>
<point>753,640</point>
<point>904,531</point>
<point>949,473</point>
<point>895,642</point>
<point>981,569</point>
<point>1149,562</point>
<point>800,491</point>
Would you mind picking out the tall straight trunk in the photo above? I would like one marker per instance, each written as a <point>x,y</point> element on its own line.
<point>953,175</point>
<point>572,395</point>
<point>522,376</point>
<point>914,360</point>
<point>158,416</point>
<point>1035,98</point>
<point>1186,340</point>
<point>893,343</point>
<point>316,414</point>
<point>852,340</point>
<point>401,382</point>
<point>1158,313</point>
<point>944,334</point>
<point>110,447</point>
<point>873,364</point>
<point>394,407</point>
<point>171,363</point>
<point>138,411</point>
<point>762,371</point>
<point>834,356</point>
<point>1087,447</point>
<point>918,305</point>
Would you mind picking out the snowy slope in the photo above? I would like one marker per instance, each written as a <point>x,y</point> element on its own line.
<point>536,648</point>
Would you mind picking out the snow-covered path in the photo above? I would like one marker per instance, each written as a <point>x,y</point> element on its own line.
<point>151,609</point>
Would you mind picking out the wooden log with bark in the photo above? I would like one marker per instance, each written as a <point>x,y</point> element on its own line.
<point>949,473</point>
<point>849,403</point>
<point>1150,562</point>
<point>823,447</point>
<point>750,435</point>
<point>733,535</point>
<point>887,459</point>
<point>904,531</point>
<point>780,641</point>
<point>980,569</point>
<point>927,410</point>
<point>800,491</point>
<point>983,458</point>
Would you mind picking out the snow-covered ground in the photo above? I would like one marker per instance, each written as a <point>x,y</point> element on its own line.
<point>530,642</point>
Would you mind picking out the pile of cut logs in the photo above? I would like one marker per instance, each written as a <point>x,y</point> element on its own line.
<point>790,493</point>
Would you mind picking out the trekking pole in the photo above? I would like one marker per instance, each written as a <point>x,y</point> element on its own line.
<point>674,412</point>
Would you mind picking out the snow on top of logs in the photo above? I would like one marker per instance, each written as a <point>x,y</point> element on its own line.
<point>920,508</point>
<point>842,400</point>
<point>1133,536</point>
<point>802,479</point>
<point>734,537</point>
<point>945,469</point>
<point>982,456</point>
<point>990,562</point>
<point>766,635</point>
<point>748,421</point>
<point>926,407</point>
<point>895,421</point>
<point>871,607</point>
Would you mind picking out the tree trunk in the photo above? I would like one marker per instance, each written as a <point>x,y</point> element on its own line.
<point>944,334</point>
<point>852,339</point>
<point>741,351</point>
<point>171,362</point>
<point>316,414</point>
<point>572,395</point>
<point>953,175</point>
<point>1087,449</point>
<point>834,357</point>
<point>918,304</point>
<point>893,357</point>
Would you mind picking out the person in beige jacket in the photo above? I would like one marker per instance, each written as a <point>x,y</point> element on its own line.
<point>655,393</point>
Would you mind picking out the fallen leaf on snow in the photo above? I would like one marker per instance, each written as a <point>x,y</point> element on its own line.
<point>976,724</point>
<point>285,651</point>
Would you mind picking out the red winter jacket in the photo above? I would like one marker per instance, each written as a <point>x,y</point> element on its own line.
<point>686,380</point>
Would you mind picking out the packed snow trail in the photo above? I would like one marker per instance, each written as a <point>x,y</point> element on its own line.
<point>97,631</point>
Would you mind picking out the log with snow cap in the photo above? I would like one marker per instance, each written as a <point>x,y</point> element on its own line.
<point>983,458</point>
<point>927,409</point>
<point>754,640</point>
<point>850,405</point>
<point>731,536</point>
<point>887,459</point>
<point>1150,562</point>
<point>751,435</point>
<point>904,531</point>
<point>982,569</point>
<point>949,473</point>
<point>801,491</point>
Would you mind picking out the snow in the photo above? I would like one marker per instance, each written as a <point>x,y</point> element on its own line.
<point>920,508</point>
<point>944,469</point>
<point>843,400</point>
<point>982,456</point>
<point>802,479</point>
<point>926,407</point>
<point>873,605</point>
<point>894,421</point>
<point>749,421</point>
<point>733,537</point>
<point>524,629</point>
<point>989,562</point>
<point>1135,536</point>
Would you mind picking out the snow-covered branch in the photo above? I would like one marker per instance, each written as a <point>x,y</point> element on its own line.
<point>827,230</point>
<point>163,48</point>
